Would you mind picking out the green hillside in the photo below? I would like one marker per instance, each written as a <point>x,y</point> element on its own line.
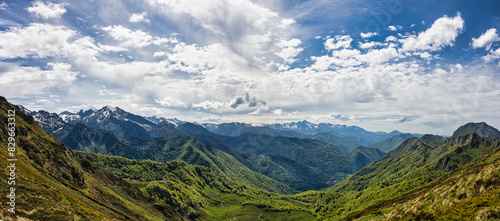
<point>200,192</point>
<point>470,193</point>
<point>389,144</point>
<point>365,155</point>
<point>414,164</point>
<point>184,148</point>
<point>54,183</point>
<point>482,129</point>
<point>324,164</point>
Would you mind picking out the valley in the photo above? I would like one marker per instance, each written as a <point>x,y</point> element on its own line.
<point>123,166</point>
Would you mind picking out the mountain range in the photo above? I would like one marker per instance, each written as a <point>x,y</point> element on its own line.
<point>300,161</point>
<point>424,178</point>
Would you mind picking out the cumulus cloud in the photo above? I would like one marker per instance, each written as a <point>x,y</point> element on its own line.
<point>209,105</point>
<point>394,28</point>
<point>134,38</point>
<point>338,42</point>
<point>38,40</point>
<point>139,17</point>
<point>278,111</point>
<point>245,100</point>
<point>492,55</point>
<point>486,39</point>
<point>289,50</point>
<point>151,111</point>
<point>370,44</point>
<point>17,81</point>
<point>368,35</point>
<point>391,38</point>
<point>47,11</point>
<point>49,41</point>
<point>442,33</point>
<point>256,33</point>
<point>170,102</point>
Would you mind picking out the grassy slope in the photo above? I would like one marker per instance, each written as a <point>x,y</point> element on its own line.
<point>54,183</point>
<point>324,163</point>
<point>414,164</point>
<point>185,148</point>
<point>470,193</point>
<point>389,144</point>
<point>200,192</point>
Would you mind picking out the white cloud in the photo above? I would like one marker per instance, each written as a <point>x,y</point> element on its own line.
<point>159,54</point>
<point>278,111</point>
<point>46,102</point>
<point>391,38</point>
<point>170,102</point>
<point>442,33</point>
<point>38,40</point>
<point>19,81</point>
<point>151,111</point>
<point>379,55</point>
<point>369,34</point>
<point>370,44</point>
<point>45,41</point>
<point>338,42</point>
<point>107,92</point>
<point>246,28</point>
<point>210,105</point>
<point>290,50</point>
<point>139,17</point>
<point>492,55</point>
<point>47,11</point>
<point>394,28</point>
<point>111,48</point>
<point>135,38</point>
<point>486,39</point>
<point>260,110</point>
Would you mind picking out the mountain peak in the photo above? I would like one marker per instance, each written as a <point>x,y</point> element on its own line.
<point>25,110</point>
<point>110,108</point>
<point>482,129</point>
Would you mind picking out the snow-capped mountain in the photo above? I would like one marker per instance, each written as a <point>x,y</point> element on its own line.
<point>26,110</point>
<point>50,122</point>
<point>158,120</point>
<point>306,127</point>
<point>114,119</point>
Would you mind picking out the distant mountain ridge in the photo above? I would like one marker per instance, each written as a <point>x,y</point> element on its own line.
<point>389,144</point>
<point>343,136</point>
<point>306,127</point>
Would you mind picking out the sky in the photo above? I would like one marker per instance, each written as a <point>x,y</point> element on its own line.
<point>426,66</point>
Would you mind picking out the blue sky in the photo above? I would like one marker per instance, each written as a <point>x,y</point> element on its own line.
<point>416,66</point>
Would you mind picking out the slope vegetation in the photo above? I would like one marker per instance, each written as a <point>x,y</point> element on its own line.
<point>54,183</point>
<point>200,193</point>
<point>184,148</point>
<point>418,162</point>
<point>470,193</point>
